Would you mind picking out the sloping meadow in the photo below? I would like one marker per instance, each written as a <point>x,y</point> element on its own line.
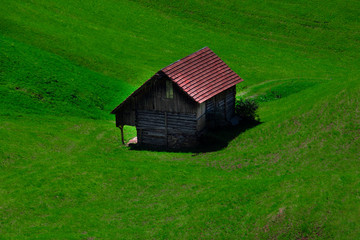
<point>64,173</point>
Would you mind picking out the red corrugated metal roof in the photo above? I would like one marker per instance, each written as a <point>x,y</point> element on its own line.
<point>202,75</point>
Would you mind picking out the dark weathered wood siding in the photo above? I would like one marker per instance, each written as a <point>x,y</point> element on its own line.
<point>166,129</point>
<point>153,97</point>
<point>125,117</point>
<point>230,103</point>
<point>161,119</point>
<point>201,117</point>
<point>173,120</point>
<point>220,108</point>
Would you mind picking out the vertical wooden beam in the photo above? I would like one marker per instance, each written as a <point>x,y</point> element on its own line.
<point>166,129</point>
<point>225,103</point>
<point>215,111</point>
<point>122,134</point>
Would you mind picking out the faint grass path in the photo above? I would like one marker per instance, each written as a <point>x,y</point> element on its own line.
<point>242,93</point>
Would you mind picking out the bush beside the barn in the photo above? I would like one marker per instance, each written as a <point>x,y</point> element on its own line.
<point>246,109</point>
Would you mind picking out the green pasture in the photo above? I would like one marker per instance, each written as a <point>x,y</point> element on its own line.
<point>64,65</point>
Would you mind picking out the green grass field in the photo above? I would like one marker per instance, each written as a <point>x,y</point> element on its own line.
<point>65,175</point>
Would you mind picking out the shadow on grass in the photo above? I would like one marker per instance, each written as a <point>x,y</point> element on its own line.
<point>213,140</point>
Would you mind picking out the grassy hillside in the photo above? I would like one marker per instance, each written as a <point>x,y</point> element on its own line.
<point>64,174</point>
<point>131,40</point>
<point>36,82</point>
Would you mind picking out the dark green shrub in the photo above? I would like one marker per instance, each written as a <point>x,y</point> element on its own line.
<point>246,109</point>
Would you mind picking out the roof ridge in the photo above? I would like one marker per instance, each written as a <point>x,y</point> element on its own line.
<point>185,57</point>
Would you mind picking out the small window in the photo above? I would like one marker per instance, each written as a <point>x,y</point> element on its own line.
<point>169,90</point>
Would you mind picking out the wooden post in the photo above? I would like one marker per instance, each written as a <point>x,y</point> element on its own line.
<point>215,111</point>
<point>225,102</point>
<point>166,129</point>
<point>122,134</point>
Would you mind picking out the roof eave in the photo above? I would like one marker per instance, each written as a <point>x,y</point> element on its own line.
<point>115,110</point>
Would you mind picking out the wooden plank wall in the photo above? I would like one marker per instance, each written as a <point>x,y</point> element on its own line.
<point>150,126</point>
<point>173,121</point>
<point>201,117</point>
<point>181,123</point>
<point>154,98</point>
<point>220,108</point>
<point>230,103</point>
<point>165,121</point>
<point>126,117</point>
<point>166,129</point>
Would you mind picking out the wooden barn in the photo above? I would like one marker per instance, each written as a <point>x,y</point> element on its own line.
<point>181,101</point>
